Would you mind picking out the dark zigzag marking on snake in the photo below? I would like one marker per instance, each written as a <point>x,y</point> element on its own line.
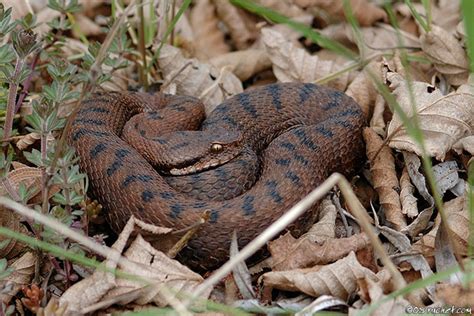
<point>305,92</point>
<point>100,147</point>
<point>90,121</point>
<point>93,110</point>
<point>275,92</point>
<point>248,206</point>
<point>85,132</point>
<point>120,154</point>
<point>247,104</point>
<point>143,178</point>
<point>273,192</point>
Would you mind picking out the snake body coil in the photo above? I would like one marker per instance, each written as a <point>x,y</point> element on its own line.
<point>302,133</point>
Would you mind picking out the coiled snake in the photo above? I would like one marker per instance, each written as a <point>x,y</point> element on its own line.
<point>300,132</point>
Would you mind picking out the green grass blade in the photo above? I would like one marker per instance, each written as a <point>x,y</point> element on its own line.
<point>308,32</point>
<point>170,28</point>
<point>467,8</point>
<point>417,16</point>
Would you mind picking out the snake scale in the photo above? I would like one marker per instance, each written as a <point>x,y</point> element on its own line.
<point>301,133</point>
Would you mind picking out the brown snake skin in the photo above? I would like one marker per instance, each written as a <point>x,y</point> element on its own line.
<point>302,132</point>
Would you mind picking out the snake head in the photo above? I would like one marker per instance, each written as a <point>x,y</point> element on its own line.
<point>189,152</point>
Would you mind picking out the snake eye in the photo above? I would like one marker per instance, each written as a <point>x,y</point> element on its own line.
<point>216,148</point>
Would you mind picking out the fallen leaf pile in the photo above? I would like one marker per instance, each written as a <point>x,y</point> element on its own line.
<point>412,82</point>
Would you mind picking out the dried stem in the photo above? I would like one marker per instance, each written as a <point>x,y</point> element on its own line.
<point>7,128</point>
<point>141,45</point>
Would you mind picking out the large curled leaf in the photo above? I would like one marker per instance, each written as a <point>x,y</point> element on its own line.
<point>443,119</point>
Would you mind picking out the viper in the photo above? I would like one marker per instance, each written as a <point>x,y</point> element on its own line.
<point>252,158</point>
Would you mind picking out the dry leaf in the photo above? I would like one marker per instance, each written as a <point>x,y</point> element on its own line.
<point>241,27</point>
<point>408,200</point>
<point>377,122</point>
<point>446,176</point>
<point>323,302</point>
<point>23,270</point>
<point>87,26</point>
<point>384,177</point>
<point>445,13</point>
<point>443,119</point>
<point>322,280</point>
<point>241,273</point>
<point>446,53</point>
<point>362,90</point>
<point>29,139</point>
<point>291,63</point>
<point>289,253</point>
<point>284,7</point>
<point>288,32</point>
<point>208,37</point>
<point>364,11</point>
<point>457,296</point>
<point>374,291</point>
<point>375,39</point>
<point>243,63</point>
<point>197,79</point>
<point>156,274</point>
<point>458,220</point>
<point>324,228</point>
<point>466,144</point>
<point>413,165</point>
<point>157,268</point>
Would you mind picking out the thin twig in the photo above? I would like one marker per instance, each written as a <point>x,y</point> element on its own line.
<point>12,90</point>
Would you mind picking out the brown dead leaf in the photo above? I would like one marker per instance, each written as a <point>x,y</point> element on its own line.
<point>456,295</point>
<point>443,119</point>
<point>291,63</point>
<point>447,54</point>
<point>324,228</point>
<point>377,122</point>
<point>458,221</point>
<point>289,253</point>
<point>208,37</point>
<point>363,91</point>
<point>11,221</point>
<point>20,8</point>
<point>241,27</point>
<point>374,291</point>
<point>285,7</point>
<point>466,144</point>
<point>23,270</point>
<point>384,177</point>
<point>289,33</point>
<point>153,275</point>
<point>197,79</point>
<point>156,268</point>
<point>322,280</point>
<point>364,11</point>
<point>243,63</point>
<point>375,39</point>
<point>446,14</point>
<point>87,27</point>
<point>408,200</point>
<point>25,141</point>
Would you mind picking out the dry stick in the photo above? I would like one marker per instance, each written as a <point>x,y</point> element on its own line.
<point>56,225</point>
<point>290,216</point>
